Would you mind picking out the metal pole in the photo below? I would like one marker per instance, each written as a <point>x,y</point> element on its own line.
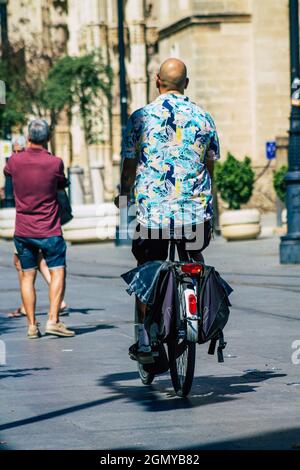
<point>123,88</point>
<point>9,200</point>
<point>122,237</point>
<point>294,39</point>
<point>290,244</point>
<point>3,25</point>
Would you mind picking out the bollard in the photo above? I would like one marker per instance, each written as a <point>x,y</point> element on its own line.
<point>76,191</point>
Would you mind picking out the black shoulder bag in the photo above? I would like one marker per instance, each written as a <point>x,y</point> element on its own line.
<point>65,209</point>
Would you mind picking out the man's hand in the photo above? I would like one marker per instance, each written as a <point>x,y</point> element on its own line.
<point>128,175</point>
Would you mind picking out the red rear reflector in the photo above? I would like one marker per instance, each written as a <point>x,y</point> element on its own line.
<point>191,268</point>
<point>192,304</point>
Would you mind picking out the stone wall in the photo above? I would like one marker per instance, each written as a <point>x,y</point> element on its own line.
<point>271,77</point>
<point>237,53</point>
<point>217,56</point>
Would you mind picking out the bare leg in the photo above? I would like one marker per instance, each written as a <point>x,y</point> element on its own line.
<point>56,292</point>
<point>45,272</point>
<point>22,308</point>
<point>20,273</point>
<point>28,294</point>
<point>142,309</point>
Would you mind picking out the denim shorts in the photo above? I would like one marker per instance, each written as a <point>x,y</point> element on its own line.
<point>53,250</point>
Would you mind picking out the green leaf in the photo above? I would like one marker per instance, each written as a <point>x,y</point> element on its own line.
<point>279,182</point>
<point>46,86</point>
<point>235,180</point>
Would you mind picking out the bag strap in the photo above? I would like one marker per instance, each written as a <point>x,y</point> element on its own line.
<point>222,345</point>
<point>212,346</point>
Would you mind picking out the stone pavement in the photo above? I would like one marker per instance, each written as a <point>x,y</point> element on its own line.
<point>84,393</point>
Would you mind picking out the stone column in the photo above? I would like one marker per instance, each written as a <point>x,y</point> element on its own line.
<point>115,105</point>
<point>100,159</point>
<point>76,189</point>
<point>136,67</point>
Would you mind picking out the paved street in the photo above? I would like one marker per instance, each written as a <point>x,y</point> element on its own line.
<point>84,393</point>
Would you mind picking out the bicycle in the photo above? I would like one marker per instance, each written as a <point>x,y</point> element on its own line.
<point>181,350</point>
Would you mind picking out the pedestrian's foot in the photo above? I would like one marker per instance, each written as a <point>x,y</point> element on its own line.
<point>141,354</point>
<point>17,313</point>
<point>58,329</point>
<point>64,309</point>
<point>33,332</point>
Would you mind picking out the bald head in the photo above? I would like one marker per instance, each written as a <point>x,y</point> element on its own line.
<point>172,76</point>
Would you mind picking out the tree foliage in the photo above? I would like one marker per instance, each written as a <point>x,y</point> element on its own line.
<point>279,182</point>
<point>44,85</point>
<point>235,181</point>
<point>78,81</point>
<point>12,71</point>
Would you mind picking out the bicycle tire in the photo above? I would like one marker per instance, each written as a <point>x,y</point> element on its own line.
<point>182,358</point>
<point>146,377</point>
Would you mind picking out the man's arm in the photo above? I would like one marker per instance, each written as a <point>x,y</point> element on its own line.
<point>7,169</point>
<point>210,166</point>
<point>128,176</point>
<point>213,151</point>
<point>62,181</point>
<point>129,159</point>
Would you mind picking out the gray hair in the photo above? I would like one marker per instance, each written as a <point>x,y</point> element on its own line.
<point>19,140</point>
<point>38,131</point>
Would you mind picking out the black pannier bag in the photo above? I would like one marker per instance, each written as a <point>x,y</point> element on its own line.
<point>214,310</point>
<point>155,283</point>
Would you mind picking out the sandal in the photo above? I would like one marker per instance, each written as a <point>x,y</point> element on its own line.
<point>64,311</point>
<point>17,313</point>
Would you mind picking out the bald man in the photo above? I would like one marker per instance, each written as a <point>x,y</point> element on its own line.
<point>168,155</point>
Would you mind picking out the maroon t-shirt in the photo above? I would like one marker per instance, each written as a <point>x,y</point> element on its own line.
<point>36,175</point>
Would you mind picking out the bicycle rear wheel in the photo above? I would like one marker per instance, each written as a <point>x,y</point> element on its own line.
<point>182,355</point>
<point>146,377</point>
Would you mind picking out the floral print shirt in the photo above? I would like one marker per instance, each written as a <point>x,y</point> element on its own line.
<point>172,138</point>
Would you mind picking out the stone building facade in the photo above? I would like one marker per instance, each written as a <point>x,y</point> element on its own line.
<point>237,53</point>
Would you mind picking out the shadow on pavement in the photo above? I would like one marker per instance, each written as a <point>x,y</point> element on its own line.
<point>149,396</point>
<point>71,310</point>
<point>8,324</point>
<point>85,311</point>
<point>94,276</point>
<point>16,373</point>
<point>57,413</point>
<point>212,389</point>
<point>90,329</point>
<point>280,439</point>
<point>206,389</point>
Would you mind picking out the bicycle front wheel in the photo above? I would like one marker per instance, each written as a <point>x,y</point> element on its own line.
<point>182,356</point>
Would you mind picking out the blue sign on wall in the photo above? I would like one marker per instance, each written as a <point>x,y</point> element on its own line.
<point>271,150</point>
